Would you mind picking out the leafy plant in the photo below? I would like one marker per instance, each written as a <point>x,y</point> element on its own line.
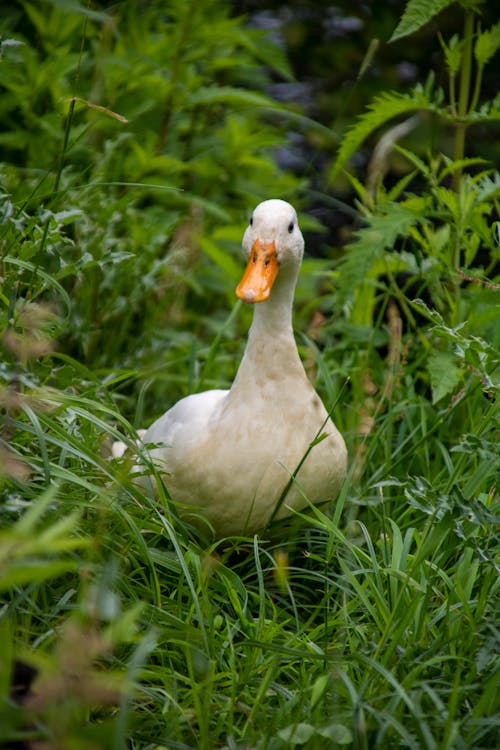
<point>434,233</point>
<point>134,141</point>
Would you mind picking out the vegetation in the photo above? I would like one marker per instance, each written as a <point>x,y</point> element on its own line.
<point>134,143</point>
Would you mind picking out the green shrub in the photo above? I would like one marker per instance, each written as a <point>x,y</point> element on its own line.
<point>134,142</point>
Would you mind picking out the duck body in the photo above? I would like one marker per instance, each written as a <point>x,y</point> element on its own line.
<point>229,454</point>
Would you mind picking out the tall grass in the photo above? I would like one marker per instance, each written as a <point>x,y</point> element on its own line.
<point>370,624</point>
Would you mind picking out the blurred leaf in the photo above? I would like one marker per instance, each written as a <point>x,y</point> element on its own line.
<point>318,689</point>
<point>297,734</point>
<point>226,263</point>
<point>73,6</point>
<point>231,95</point>
<point>36,570</point>
<point>336,733</point>
<point>4,43</point>
<point>444,374</point>
<point>5,660</point>
<point>387,590</point>
<point>27,548</point>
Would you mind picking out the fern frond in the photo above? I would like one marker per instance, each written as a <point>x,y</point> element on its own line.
<point>381,110</point>
<point>417,13</point>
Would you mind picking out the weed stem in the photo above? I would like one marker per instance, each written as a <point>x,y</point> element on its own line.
<point>464,93</point>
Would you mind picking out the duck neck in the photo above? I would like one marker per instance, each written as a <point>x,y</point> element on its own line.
<point>271,350</point>
<point>274,316</point>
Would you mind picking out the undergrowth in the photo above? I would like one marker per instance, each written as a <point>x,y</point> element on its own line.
<point>135,141</point>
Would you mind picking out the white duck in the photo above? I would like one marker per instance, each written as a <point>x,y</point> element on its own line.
<point>232,453</point>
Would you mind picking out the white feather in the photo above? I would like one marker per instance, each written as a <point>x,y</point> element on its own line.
<point>231,453</point>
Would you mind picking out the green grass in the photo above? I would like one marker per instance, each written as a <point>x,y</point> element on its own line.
<point>369,624</point>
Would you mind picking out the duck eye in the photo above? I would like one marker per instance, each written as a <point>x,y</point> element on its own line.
<point>291,227</point>
<point>251,220</point>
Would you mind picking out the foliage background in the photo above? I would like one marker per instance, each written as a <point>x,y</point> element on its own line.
<point>135,139</point>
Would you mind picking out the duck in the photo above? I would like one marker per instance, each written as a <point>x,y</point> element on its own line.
<point>236,459</point>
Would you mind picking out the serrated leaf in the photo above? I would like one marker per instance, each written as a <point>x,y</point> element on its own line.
<point>487,44</point>
<point>444,375</point>
<point>393,221</point>
<point>453,53</point>
<point>381,110</point>
<point>416,14</point>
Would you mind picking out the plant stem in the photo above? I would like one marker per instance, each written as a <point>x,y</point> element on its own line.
<point>453,99</point>
<point>479,77</point>
<point>65,144</point>
<point>477,88</point>
<point>464,93</point>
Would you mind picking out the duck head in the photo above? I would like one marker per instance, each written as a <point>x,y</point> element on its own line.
<point>274,246</point>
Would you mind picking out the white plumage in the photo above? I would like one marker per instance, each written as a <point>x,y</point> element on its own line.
<point>231,453</point>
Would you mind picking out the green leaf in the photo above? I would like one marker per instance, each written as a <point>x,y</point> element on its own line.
<point>393,221</point>
<point>226,263</point>
<point>270,54</point>
<point>9,43</point>
<point>6,659</point>
<point>56,536</point>
<point>487,45</point>
<point>336,733</point>
<point>444,374</point>
<point>28,522</point>
<point>297,734</point>
<point>318,689</point>
<point>453,53</point>
<point>417,13</point>
<point>47,278</point>
<point>488,189</point>
<point>231,95</point>
<point>381,110</point>
<point>73,6</point>
<point>34,571</point>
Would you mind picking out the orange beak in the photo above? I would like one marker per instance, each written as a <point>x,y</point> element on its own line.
<point>260,273</point>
